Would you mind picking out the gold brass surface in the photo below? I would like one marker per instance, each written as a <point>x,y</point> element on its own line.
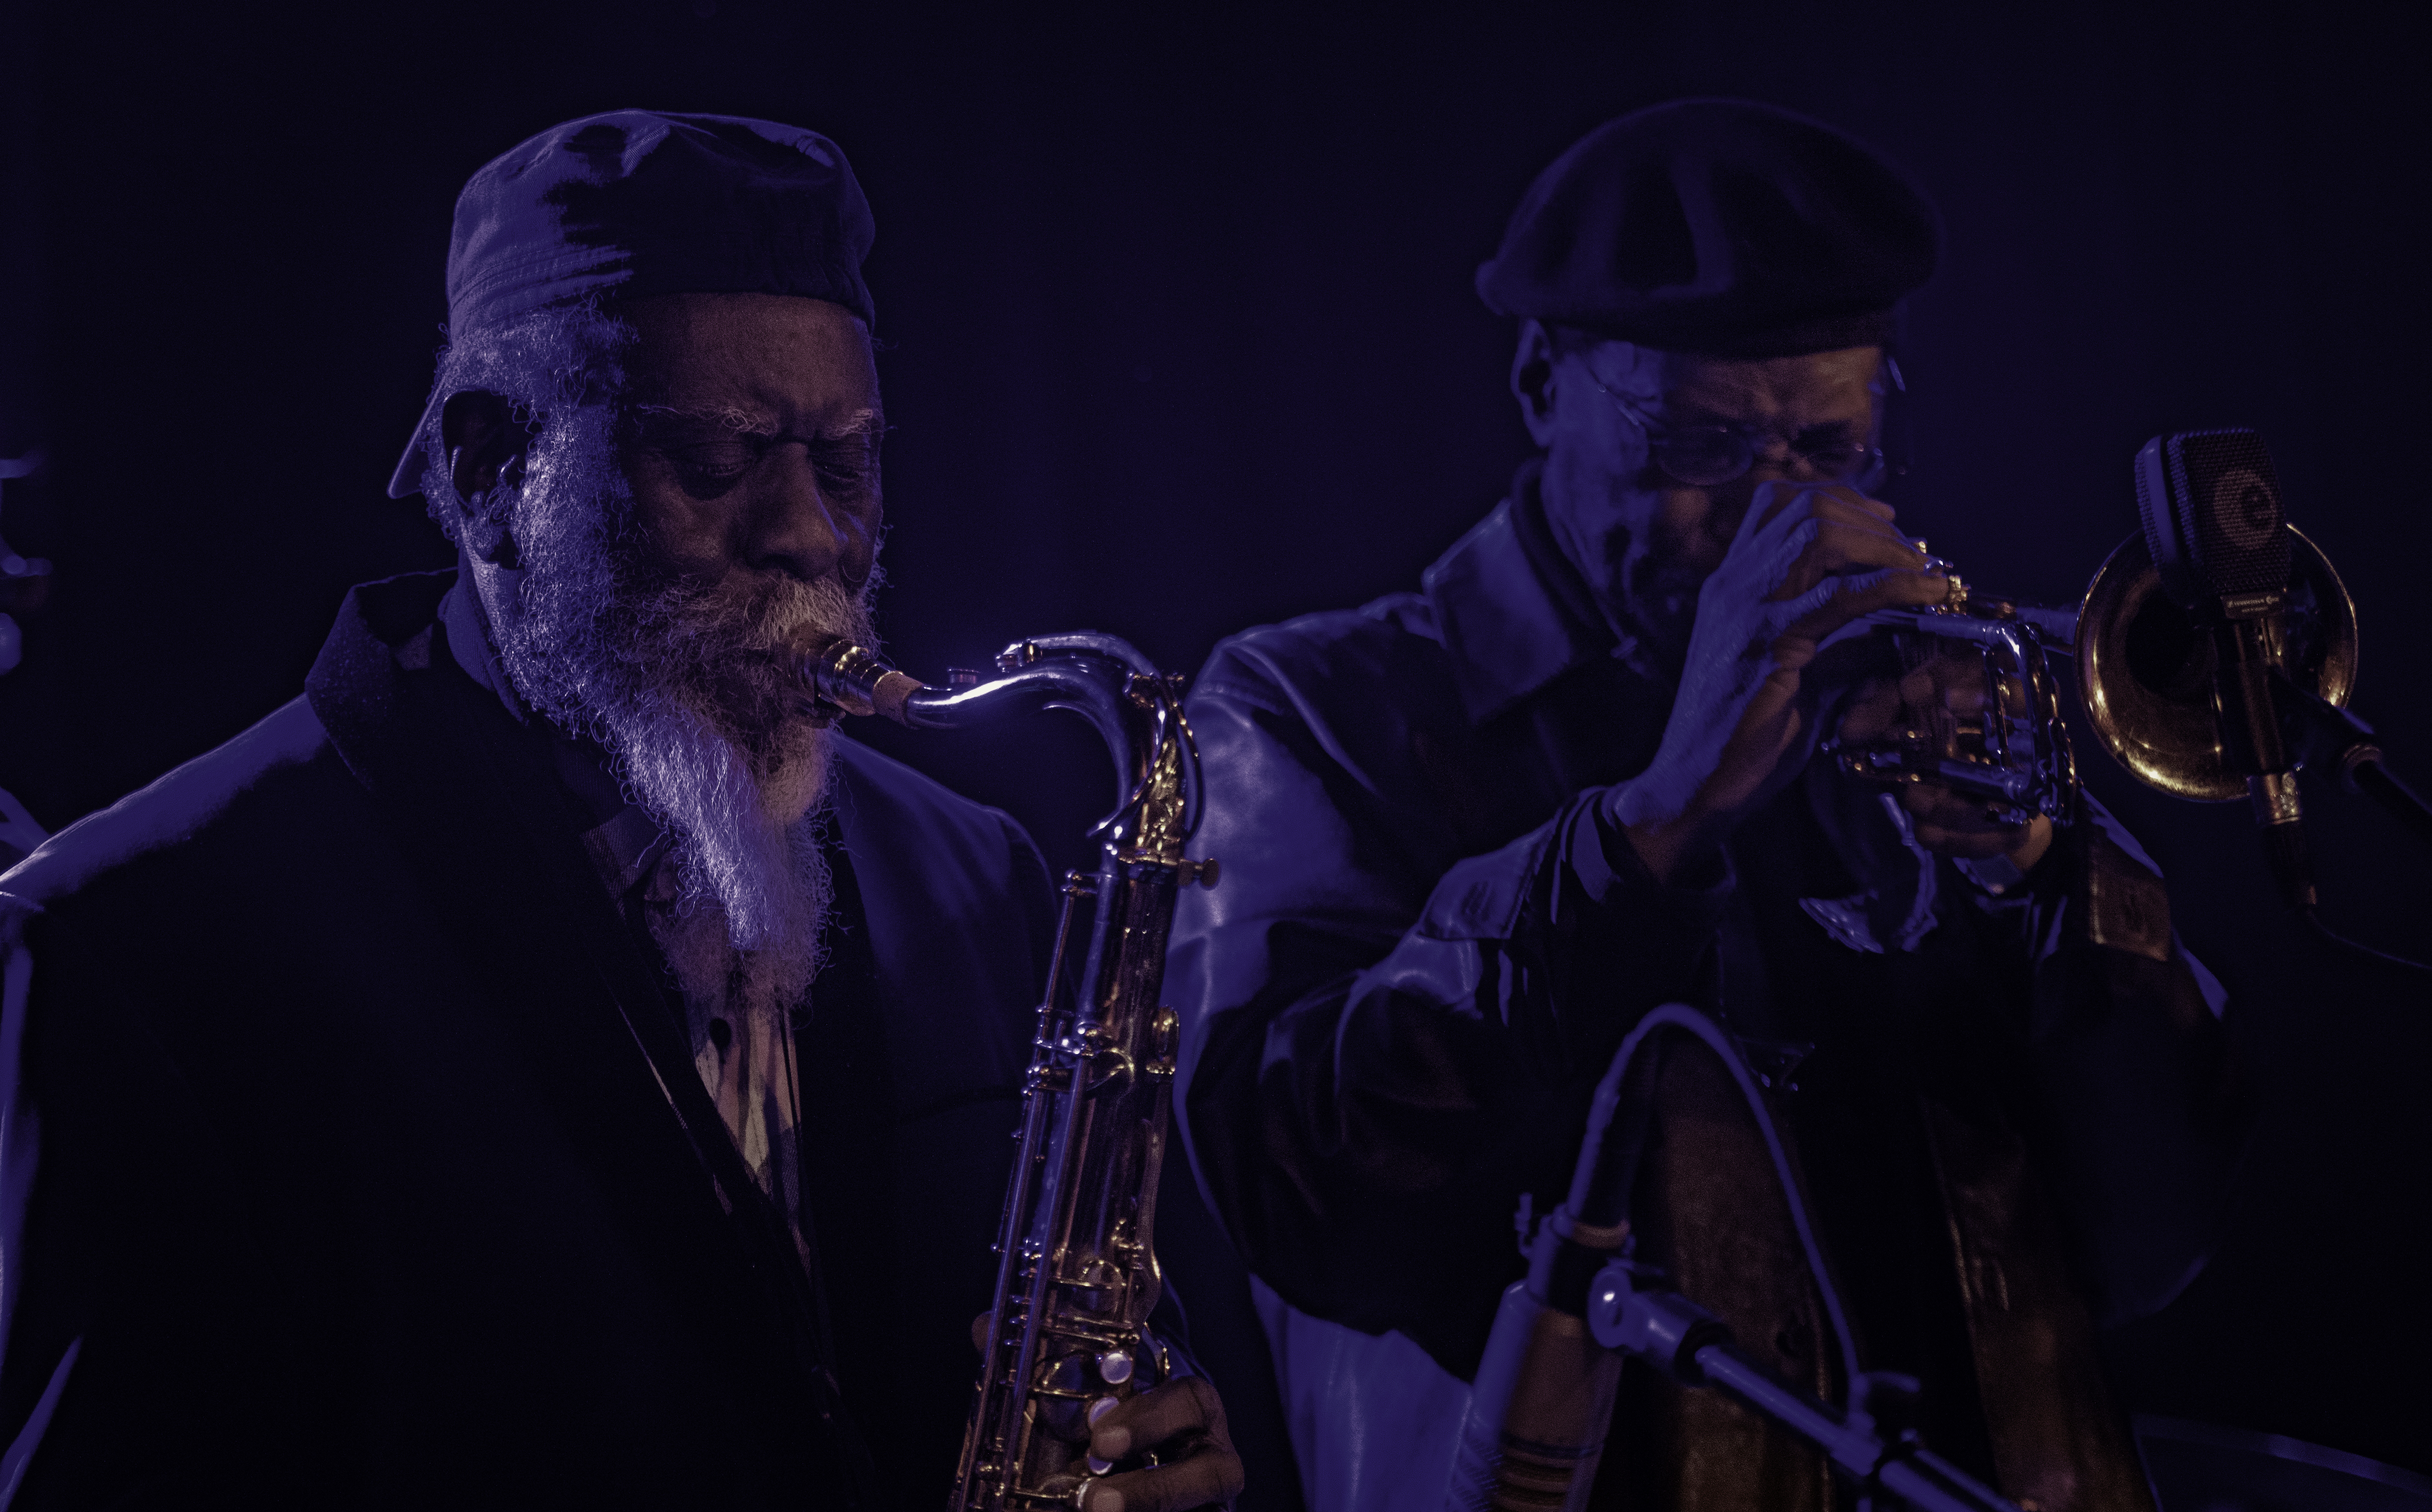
<point>2153,710</point>
<point>1076,1259</point>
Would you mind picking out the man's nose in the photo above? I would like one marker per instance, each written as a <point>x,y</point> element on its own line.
<point>1777,460</point>
<point>801,529</point>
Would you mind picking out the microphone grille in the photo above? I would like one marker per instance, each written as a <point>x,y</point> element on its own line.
<point>2210,503</point>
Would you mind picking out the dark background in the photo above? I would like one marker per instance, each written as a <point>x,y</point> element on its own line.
<point>1180,338</point>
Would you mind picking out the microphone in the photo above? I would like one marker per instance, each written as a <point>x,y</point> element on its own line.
<point>2210,503</point>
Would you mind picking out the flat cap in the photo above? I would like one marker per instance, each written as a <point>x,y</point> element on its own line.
<point>1722,227</point>
<point>634,203</point>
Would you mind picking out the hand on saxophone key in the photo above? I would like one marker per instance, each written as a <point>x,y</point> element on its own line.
<point>1182,1424</point>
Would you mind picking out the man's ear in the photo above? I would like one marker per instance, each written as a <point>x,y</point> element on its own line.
<point>484,443</point>
<point>1532,381</point>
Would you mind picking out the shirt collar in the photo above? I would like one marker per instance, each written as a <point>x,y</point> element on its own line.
<point>1513,614</point>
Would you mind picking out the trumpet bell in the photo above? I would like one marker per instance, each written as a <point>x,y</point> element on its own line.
<point>2145,670</point>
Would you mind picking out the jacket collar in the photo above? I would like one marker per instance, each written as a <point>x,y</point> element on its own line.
<point>1513,614</point>
<point>471,802</point>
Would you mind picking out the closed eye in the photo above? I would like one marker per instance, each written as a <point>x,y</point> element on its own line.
<point>711,453</point>
<point>709,468</point>
<point>731,457</point>
<point>845,462</point>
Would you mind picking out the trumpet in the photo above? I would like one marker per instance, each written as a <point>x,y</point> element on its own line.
<point>2144,674</point>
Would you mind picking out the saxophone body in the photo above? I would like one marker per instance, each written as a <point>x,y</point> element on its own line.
<point>1076,1268</point>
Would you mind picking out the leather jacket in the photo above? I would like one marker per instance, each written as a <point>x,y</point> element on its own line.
<point>2012,1110</point>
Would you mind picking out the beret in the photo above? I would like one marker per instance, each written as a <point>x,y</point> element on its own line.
<point>634,203</point>
<point>1722,227</point>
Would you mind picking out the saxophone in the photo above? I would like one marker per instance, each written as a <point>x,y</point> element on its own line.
<point>1077,1270</point>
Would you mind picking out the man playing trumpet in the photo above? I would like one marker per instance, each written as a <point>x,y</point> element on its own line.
<point>1472,833</point>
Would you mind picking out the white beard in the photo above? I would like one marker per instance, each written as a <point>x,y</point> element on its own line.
<point>683,689</point>
<point>750,890</point>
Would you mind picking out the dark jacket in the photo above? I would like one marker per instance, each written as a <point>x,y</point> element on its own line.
<point>1429,942</point>
<point>353,1156</point>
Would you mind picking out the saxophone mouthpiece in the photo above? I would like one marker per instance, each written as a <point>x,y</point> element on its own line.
<point>854,679</point>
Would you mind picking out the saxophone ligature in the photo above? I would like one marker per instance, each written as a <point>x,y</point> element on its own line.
<point>1077,1270</point>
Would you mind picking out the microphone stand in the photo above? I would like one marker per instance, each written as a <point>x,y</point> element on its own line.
<point>2327,737</point>
<point>2330,738</point>
<point>2367,775</point>
<point>1540,1409</point>
<point>1629,1311</point>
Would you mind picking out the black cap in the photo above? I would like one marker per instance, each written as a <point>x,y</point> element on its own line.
<point>634,203</point>
<point>1722,227</point>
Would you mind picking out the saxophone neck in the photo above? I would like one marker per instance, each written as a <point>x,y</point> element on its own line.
<point>1135,711</point>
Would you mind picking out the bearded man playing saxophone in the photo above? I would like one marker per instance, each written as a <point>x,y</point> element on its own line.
<point>540,1066</point>
<point>1471,834</point>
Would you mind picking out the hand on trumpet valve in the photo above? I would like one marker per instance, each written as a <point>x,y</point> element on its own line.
<point>1806,560</point>
<point>1932,708</point>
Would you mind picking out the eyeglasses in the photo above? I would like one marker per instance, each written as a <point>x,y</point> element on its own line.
<point>1705,456</point>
